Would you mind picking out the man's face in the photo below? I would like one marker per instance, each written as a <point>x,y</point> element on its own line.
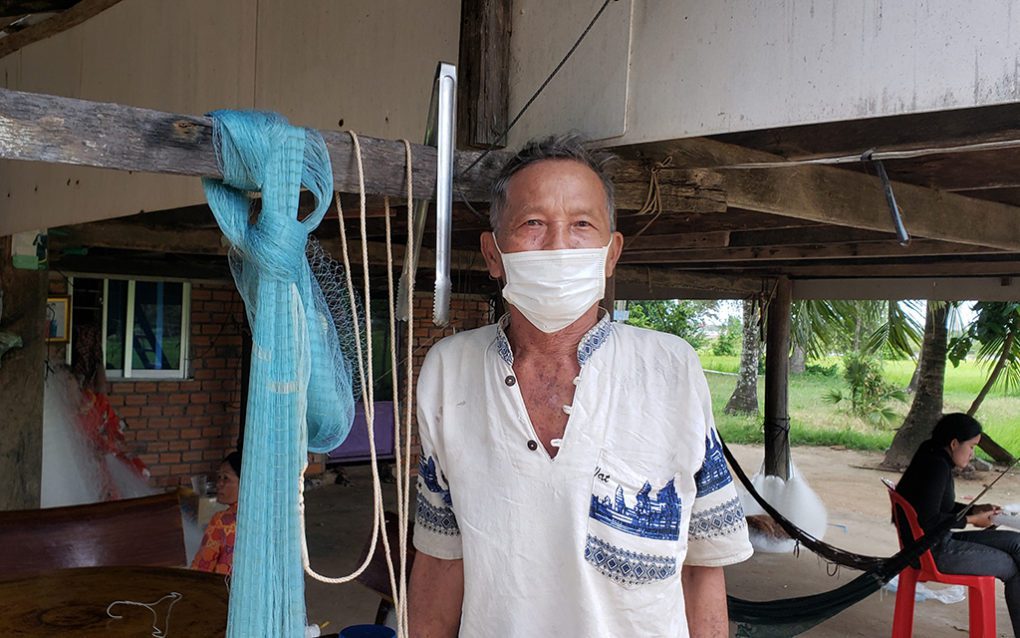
<point>551,205</point>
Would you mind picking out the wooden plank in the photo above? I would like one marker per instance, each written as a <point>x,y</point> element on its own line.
<point>80,12</point>
<point>842,197</point>
<point>11,8</point>
<point>813,234</point>
<point>62,130</point>
<point>927,268</point>
<point>777,379</point>
<point>638,280</point>
<point>484,72</point>
<point>22,381</point>
<point>680,190</point>
<point>672,241</point>
<point>852,250</point>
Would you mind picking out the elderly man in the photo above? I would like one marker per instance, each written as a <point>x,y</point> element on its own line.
<point>571,481</point>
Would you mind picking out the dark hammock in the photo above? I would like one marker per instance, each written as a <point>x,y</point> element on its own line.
<point>828,552</point>
<point>789,617</point>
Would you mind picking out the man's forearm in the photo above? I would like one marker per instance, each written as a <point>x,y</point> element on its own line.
<point>435,597</point>
<point>705,600</point>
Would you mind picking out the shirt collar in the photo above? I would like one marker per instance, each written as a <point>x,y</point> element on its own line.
<point>590,342</point>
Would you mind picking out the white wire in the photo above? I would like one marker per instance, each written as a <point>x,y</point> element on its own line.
<point>156,631</point>
<point>367,393</point>
<point>877,155</point>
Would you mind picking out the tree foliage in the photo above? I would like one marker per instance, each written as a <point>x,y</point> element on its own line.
<point>681,317</point>
<point>868,393</point>
<point>728,341</point>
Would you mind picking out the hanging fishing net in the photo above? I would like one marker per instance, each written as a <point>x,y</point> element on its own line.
<point>300,388</point>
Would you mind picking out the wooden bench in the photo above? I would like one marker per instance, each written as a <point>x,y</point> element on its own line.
<point>138,531</point>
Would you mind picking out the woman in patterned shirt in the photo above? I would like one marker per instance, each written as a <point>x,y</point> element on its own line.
<point>217,551</point>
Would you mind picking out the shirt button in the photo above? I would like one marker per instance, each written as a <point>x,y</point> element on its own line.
<point>510,380</point>
<point>532,445</point>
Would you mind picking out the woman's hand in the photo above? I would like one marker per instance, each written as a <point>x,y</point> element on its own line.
<point>983,518</point>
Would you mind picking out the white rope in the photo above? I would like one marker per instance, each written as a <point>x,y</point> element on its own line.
<point>404,507</point>
<point>367,393</point>
<point>402,435</point>
<point>877,155</point>
<point>156,631</point>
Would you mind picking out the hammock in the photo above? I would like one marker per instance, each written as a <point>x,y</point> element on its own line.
<point>788,617</point>
<point>828,552</point>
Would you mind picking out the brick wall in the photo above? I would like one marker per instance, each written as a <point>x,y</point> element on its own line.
<point>186,426</point>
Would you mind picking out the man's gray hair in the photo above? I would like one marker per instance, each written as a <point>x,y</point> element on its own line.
<point>569,146</point>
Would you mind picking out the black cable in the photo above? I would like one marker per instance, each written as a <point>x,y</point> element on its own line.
<point>534,96</point>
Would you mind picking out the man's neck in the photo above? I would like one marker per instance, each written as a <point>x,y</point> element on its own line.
<point>527,341</point>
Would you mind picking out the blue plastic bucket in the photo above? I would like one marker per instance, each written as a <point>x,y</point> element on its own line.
<point>368,631</point>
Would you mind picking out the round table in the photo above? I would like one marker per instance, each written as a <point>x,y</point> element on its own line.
<point>73,602</point>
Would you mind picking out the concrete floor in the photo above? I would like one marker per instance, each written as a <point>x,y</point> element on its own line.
<point>339,519</point>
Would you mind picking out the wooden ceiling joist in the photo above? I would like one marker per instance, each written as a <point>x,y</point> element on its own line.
<point>832,195</point>
<point>74,15</point>
<point>843,251</point>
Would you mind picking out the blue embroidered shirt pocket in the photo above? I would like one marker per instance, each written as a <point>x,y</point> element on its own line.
<point>633,524</point>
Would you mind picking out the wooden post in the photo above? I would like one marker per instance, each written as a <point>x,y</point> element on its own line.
<point>777,377</point>
<point>22,379</point>
<point>484,72</point>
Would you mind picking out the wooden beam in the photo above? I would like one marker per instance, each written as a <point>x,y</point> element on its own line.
<point>842,197</point>
<point>61,130</point>
<point>777,379</point>
<point>636,279</point>
<point>813,234</point>
<point>11,8</point>
<point>680,190</point>
<point>671,241</point>
<point>943,269</point>
<point>80,12</point>
<point>22,379</point>
<point>852,250</point>
<point>484,72</point>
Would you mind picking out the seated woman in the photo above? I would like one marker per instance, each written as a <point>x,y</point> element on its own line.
<point>216,554</point>
<point>928,486</point>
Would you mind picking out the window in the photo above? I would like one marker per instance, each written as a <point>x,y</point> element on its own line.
<point>144,326</point>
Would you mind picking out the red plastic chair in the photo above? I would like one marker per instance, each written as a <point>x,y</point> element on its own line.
<point>980,589</point>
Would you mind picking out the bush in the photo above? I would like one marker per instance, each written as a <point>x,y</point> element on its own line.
<point>818,370</point>
<point>729,339</point>
<point>868,392</point>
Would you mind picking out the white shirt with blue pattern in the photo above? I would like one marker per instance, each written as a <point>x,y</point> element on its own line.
<point>589,542</point>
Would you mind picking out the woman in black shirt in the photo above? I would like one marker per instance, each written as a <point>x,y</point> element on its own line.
<point>928,486</point>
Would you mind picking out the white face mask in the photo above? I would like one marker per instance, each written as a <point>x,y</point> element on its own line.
<point>553,288</point>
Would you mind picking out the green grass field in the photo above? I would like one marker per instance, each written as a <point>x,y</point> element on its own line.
<point>815,422</point>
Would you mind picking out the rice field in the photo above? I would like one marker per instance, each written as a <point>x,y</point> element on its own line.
<point>815,422</point>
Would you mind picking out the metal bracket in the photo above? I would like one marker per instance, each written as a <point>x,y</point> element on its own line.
<point>439,132</point>
<point>890,198</point>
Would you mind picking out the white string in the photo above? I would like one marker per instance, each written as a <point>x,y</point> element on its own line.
<point>367,393</point>
<point>402,439</point>
<point>156,631</point>
<point>404,506</point>
<point>877,155</point>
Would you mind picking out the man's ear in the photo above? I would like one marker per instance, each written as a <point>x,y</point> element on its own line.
<point>615,249</point>
<point>491,254</point>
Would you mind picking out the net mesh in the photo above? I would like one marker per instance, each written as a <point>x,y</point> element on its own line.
<point>300,387</point>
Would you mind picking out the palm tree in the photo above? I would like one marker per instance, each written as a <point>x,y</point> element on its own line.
<point>744,399</point>
<point>926,408</point>
<point>997,331</point>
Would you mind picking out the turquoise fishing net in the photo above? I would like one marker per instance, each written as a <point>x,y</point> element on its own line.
<point>300,395</point>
